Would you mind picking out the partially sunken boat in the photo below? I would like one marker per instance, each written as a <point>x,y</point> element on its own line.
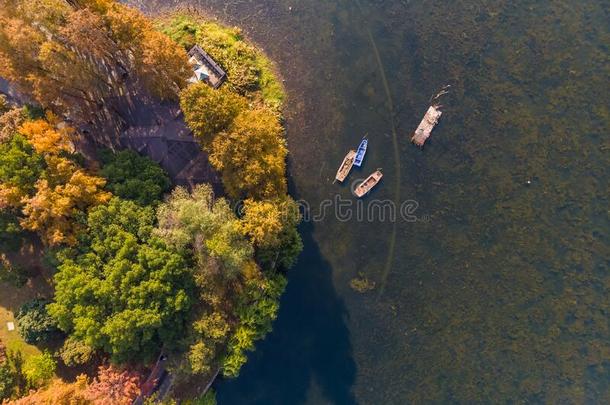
<point>346,166</point>
<point>361,152</point>
<point>422,133</point>
<point>368,184</point>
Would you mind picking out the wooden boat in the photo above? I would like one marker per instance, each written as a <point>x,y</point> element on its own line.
<point>361,152</point>
<point>368,184</point>
<point>346,166</point>
<point>426,125</point>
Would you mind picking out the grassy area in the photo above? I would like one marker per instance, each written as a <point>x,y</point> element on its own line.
<point>250,72</point>
<point>11,298</point>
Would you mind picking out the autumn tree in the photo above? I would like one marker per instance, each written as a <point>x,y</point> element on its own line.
<point>58,393</point>
<point>53,211</point>
<point>4,104</point>
<point>208,111</point>
<point>123,290</point>
<point>79,57</point>
<point>271,226</point>
<point>163,66</point>
<point>10,120</point>
<point>43,186</point>
<point>264,221</point>
<point>113,386</point>
<point>251,156</point>
<point>46,138</point>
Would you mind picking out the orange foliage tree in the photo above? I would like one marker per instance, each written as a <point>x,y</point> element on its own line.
<point>113,386</point>
<point>77,57</point>
<point>58,393</point>
<point>53,196</point>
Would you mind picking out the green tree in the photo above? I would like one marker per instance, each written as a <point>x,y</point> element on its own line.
<point>124,291</point>
<point>74,352</point>
<point>207,226</point>
<point>35,324</point>
<point>209,112</point>
<point>39,370</point>
<point>134,177</point>
<point>7,381</point>
<point>251,156</point>
<point>257,309</point>
<point>283,256</point>
<point>20,168</point>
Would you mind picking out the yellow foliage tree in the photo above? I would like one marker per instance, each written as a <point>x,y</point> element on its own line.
<point>68,56</point>
<point>163,66</point>
<point>263,222</point>
<point>251,156</point>
<point>47,139</point>
<point>52,211</point>
<point>49,189</point>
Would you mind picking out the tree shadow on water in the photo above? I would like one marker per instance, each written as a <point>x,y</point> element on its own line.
<point>309,346</point>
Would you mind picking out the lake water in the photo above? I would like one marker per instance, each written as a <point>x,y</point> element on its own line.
<point>496,287</point>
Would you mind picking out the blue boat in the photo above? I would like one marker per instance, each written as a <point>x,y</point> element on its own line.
<point>361,152</point>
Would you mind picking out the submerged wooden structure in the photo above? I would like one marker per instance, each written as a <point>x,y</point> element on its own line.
<point>346,166</point>
<point>427,124</point>
<point>368,184</point>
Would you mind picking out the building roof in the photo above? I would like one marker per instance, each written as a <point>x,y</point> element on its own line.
<point>213,69</point>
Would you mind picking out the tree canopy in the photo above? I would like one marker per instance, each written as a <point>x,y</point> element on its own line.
<point>271,226</point>
<point>251,156</point>
<point>43,186</point>
<point>133,177</point>
<point>35,324</point>
<point>123,290</point>
<point>73,56</point>
<point>39,369</point>
<point>134,274</point>
<point>208,111</point>
<point>111,386</point>
<point>199,222</point>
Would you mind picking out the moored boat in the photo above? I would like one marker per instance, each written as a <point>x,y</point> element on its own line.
<point>427,124</point>
<point>346,166</point>
<point>361,152</point>
<point>368,184</point>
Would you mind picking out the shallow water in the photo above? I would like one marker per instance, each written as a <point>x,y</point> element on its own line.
<point>497,287</point>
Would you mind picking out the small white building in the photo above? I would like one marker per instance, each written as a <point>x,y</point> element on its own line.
<point>205,69</point>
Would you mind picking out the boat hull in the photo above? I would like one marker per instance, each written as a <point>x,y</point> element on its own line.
<point>361,153</point>
<point>367,185</point>
<point>346,166</point>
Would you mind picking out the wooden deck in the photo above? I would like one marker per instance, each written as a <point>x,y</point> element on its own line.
<point>427,124</point>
